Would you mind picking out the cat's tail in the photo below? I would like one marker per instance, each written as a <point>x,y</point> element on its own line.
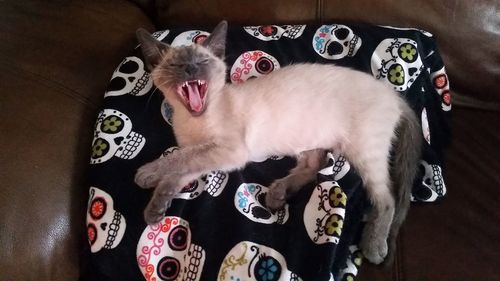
<point>404,166</point>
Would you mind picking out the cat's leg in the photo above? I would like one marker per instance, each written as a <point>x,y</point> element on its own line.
<point>372,164</point>
<point>170,174</point>
<point>308,164</point>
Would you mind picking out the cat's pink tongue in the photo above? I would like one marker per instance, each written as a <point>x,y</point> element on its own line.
<point>194,97</point>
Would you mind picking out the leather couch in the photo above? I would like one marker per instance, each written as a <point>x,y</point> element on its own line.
<point>57,56</point>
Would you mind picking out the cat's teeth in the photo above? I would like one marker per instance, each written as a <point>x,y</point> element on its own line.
<point>199,82</point>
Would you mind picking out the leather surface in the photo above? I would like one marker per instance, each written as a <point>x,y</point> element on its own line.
<point>56,58</point>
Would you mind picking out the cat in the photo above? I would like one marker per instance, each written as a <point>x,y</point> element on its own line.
<point>300,110</point>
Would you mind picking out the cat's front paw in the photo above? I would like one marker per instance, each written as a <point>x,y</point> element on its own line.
<point>276,196</point>
<point>148,176</point>
<point>373,246</point>
<point>153,213</point>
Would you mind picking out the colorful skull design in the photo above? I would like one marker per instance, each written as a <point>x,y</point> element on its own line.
<point>190,37</point>
<point>252,64</point>
<point>397,61</point>
<point>275,32</point>
<point>105,226</point>
<point>324,213</point>
<point>249,200</point>
<point>336,42</point>
<point>113,136</point>
<point>251,261</point>
<point>165,252</point>
<point>442,85</point>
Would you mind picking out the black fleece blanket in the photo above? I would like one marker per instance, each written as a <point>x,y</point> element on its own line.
<point>218,228</point>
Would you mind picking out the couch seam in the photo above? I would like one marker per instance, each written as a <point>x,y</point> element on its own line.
<point>319,10</point>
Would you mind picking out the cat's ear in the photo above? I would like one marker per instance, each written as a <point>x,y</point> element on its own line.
<point>152,49</point>
<point>216,42</point>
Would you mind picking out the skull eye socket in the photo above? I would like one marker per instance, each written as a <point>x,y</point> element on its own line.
<point>264,65</point>
<point>100,147</point>
<point>129,67</point>
<point>92,233</point>
<point>335,48</point>
<point>116,84</point>
<point>112,124</point>
<point>267,268</point>
<point>440,81</point>
<point>396,74</point>
<point>408,52</point>
<point>198,39</point>
<point>268,30</point>
<point>178,238</point>
<point>98,208</point>
<point>192,186</point>
<point>168,268</point>
<point>341,33</point>
<point>446,97</point>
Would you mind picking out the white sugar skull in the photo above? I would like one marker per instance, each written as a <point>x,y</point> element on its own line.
<point>131,78</point>
<point>432,186</point>
<point>105,226</point>
<point>275,32</point>
<point>442,85</point>
<point>338,166</point>
<point>249,200</point>
<point>161,34</point>
<point>165,252</point>
<point>190,37</point>
<point>397,61</point>
<point>251,261</point>
<point>324,213</point>
<point>425,126</point>
<point>113,136</point>
<point>336,42</point>
<point>252,64</point>
<point>213,182</point>
<point>353,263</point>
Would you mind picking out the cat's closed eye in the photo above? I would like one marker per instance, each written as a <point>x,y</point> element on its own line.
<point>203,61</point>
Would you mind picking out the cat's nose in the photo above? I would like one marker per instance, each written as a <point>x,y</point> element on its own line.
<point>190,70</point>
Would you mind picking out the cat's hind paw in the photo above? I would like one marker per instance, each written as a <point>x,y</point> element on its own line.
<point>276,196</point>
<point>374,247</point>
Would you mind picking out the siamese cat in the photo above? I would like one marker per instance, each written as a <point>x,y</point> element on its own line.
<point>300,110</point>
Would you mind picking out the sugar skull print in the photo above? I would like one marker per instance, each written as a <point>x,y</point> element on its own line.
<point>337,166</point>
<point>336,41</point>
<point>252,64</point>
<point>251,261</point>
<point>442,86</point>
<point>432,186</point>
<point>275,32</point>
<point>190,37</point>
<point>165,252</point>
<point>249,200</point>
<point>105,225</point>
<point>324,213</point>
<point>397,61</point>
<point>113,136</point>
<point>131,78</point>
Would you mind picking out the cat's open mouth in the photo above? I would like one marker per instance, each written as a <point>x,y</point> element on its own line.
<point>193,93</point>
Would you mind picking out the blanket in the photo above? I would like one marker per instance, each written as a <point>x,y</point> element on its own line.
<point>218,227</point>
